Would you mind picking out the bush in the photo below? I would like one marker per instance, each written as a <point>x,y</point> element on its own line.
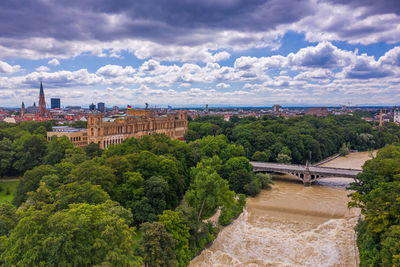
<point>265,180</point>
<point>345,149</point>
<point>253,188</point>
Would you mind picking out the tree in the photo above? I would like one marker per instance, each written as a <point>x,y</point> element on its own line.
<point>75,155</point>
<point>96,174</point>
<point>157,245</point>
<point>344,150</point>
<point>391,247</point>
<point>6,157</point>
<point>284,156</point>
<point>207,192</point>
<point>174,225</point>
<point>260,156</point>
<point>8,218</point>
<point>30,182</point>
<point>156,190</point>
<point>253,188</point>
<point>93,150</point>
<point>239,172</point>
<point>79,193</point>
<point>264,179</point>
<point>132,188</point>
<point>29,152</point>
<point>56,150</point>
<point>82,235</point>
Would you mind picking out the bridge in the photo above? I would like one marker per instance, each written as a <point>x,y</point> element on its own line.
<point>307,174</point>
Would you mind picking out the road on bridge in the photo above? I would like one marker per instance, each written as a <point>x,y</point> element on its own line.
<point>289,168</point>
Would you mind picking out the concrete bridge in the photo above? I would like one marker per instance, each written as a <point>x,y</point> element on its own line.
<point>307,174</point>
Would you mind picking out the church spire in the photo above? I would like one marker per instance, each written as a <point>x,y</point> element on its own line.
<point>42,102</point>
<point>41,89</point>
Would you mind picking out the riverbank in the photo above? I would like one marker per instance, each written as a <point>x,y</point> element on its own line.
<point>353,160</point>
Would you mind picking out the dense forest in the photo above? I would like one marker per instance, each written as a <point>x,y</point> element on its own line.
<point>147,201</point>
<point>377,193</point>
<point>295,140</point>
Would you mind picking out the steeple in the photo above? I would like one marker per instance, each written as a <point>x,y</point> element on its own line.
<point>41,89</point>
<point>23,109</point>
<point>42,102</point>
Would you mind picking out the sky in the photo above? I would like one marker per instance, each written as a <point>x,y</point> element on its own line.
<point>189,53</point>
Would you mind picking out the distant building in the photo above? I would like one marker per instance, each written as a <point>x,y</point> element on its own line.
<point>77,136</point>
<point>107,131</point>
<point>55,103</point>
<point>92,107</point>
<point>276,108</point>
<point>32,109</point>
<point>73,107</point>
<point>396,116</point>
<point>320,111</point>
<point>115,109</point>
<point>101,107</point>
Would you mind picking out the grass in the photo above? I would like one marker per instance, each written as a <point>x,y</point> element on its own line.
<point>7,190</point>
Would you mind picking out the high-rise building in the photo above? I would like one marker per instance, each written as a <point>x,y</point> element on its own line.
<point>92,107</point>
<point>101,107</point>
<point>55,103</point>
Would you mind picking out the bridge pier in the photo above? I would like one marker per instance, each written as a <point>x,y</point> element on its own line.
<point>307,179</point>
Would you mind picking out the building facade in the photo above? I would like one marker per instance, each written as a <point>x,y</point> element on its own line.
<point>77,136</point>
<point>396,116</point>
<point>107,131</point>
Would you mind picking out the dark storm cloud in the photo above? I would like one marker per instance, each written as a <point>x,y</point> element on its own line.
<point>373,7</point>
<point>158,20</point>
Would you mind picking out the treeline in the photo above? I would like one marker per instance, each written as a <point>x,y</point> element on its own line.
<point>23,146</point>
<point>377,193</point>
<point>145,201</point>
<point>295,140</point>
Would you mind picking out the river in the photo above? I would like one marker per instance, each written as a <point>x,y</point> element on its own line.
<point>292,225</point>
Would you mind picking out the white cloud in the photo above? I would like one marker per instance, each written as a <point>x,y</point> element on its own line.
<point>115,71</point>
<point>7,68</point>
<point>42,69</point>
<point>53,62</point>
<point>223,85</point>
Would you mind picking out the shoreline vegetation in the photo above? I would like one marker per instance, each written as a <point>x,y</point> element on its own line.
<point>377,194</point>
<point>144,202</point>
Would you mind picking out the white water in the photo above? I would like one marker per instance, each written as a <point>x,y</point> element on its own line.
<point>291,225</point>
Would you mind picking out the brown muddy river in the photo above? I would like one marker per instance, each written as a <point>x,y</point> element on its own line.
<point>292,225</point>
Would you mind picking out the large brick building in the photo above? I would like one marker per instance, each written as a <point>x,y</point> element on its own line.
<point>107,131</point>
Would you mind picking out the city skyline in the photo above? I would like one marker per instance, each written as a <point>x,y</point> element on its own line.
<point>191,53</point>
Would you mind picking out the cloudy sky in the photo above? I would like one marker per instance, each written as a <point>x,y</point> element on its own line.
<point>195,52</point>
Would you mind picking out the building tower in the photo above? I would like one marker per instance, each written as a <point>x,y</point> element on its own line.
<point>23,109</point>
<point>42,102</point>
